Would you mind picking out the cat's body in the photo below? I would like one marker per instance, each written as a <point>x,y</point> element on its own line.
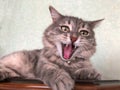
<point>68,45</point>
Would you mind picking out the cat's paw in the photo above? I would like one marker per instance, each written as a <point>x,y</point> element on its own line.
<point>89,74</point>
<point>94,75</point>
<point>2,76</point>
<point>62,82</point>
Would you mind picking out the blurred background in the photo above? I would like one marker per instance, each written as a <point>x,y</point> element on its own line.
<point>22,23</point>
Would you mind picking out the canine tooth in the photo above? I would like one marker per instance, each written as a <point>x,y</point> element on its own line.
<point>66,45</point>
<point>75,47</point>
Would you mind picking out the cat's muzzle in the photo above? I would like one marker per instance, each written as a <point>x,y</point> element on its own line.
<point>68,50</point>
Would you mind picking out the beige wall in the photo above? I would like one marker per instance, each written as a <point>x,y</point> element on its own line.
<point>22,23</point>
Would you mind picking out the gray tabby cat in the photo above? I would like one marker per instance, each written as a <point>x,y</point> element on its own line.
<point>69,43</point>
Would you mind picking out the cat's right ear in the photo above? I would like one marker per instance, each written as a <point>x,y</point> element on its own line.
<point>54,14</point>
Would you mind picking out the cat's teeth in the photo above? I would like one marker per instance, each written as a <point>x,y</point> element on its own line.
<point>67,45</point>
<point>75,47</point>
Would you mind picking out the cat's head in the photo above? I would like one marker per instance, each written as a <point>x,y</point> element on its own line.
<point>71,36</point>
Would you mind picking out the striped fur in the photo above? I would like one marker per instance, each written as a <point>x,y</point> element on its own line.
<point>49,64</point>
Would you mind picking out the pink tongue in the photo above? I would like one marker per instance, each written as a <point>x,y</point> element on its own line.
<point>67,51</point>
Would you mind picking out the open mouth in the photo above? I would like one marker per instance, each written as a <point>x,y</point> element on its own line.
<point>68,50</point>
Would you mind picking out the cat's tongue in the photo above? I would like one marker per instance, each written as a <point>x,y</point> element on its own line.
<point>67,51</point>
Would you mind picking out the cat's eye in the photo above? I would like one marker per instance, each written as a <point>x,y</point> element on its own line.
<point>65,28</point>
<point>84,33</point>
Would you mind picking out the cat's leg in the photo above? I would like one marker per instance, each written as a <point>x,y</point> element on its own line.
<point>56,78</point>
<point>87,74</point>
<point>63,81</point>
<point>6,72</point>
<point>16,65</point>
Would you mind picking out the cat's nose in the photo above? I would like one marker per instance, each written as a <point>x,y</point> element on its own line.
<point>73,39</point>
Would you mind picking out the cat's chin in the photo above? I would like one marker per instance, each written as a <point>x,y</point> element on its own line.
<point>66,51</point>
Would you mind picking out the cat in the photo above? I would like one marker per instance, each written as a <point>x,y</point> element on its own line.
<point>69,42</point>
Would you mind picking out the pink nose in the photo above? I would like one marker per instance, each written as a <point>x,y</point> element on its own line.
<point>73,39</point>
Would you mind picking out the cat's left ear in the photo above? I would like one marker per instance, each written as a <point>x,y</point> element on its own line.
<point>95,23</point>
<point>54,14</point>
